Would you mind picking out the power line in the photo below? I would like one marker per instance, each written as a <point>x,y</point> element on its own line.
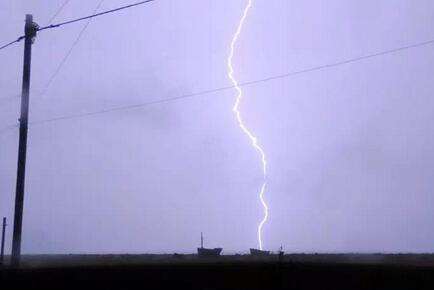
<point>343,62</point>
<point>59,67</point>
<point>52,18</point>
<point>58,11</point>
<point>78,19</point>
<point>130,107</point>
<point>10,127</point>
<point>12,42</point>
<point>242,84</point>
<point>94,15</point>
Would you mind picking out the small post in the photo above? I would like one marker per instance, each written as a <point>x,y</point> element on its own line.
<point>2,251</point>
<point>281,254</point>
<point>30,30</point>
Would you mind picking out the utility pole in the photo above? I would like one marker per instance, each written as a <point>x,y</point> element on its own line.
<point>2,251</point>
<point>30,29</point>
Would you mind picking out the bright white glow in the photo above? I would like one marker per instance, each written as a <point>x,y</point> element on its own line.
<point>243,127</point>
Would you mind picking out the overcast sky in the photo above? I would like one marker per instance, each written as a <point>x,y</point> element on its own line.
<point>350,149</point>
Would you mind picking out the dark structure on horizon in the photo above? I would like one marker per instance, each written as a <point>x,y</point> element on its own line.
<point>204,252</point>
<point>259,253</point>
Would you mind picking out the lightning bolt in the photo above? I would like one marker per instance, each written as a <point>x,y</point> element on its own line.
<point>236,110</point>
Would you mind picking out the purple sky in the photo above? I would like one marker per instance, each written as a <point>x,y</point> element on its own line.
<point>350,149</point>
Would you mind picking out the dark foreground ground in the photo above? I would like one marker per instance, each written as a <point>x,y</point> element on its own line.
<point>346,271</point>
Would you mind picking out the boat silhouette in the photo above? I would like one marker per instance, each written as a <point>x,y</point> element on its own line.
<point>205,252</point>
<point>259,253</point>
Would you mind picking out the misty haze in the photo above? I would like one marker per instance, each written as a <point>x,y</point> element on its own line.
<point>117,163</point>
